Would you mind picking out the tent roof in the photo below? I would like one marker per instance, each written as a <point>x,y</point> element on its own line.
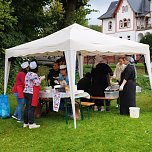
<point>78,38</point>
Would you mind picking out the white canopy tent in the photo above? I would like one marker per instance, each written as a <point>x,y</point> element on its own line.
<point>76,40</point>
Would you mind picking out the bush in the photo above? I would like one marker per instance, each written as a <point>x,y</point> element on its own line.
<point>143,82</point>
<point>12,75</point>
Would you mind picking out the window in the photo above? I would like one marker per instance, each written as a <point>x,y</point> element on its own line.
<point>128,24</point>
<point>124,9</point>
<point>124,22</point>
<point>120,24</point>
<point>128,37</point>
<point>110,26</point>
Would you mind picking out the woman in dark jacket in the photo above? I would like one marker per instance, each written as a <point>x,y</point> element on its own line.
<point>85,84</point>
<point>100,81</point>
<point>127,92</point>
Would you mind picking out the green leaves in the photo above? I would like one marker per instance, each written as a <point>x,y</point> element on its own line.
<point>147,39</point>
<point>7,21</point>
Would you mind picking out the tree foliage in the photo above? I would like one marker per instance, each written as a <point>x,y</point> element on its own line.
<point>31,18</point>
<point>95,27</point>
<point>25,20</point>
<point>71,9</point>
<point>7,23</point>
<point>62,13</point>
<point>147,39</point>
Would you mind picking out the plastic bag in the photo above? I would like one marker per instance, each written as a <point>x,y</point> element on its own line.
<point>4,107</point>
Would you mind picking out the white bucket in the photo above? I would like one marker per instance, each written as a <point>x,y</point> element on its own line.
<point>134,112</point>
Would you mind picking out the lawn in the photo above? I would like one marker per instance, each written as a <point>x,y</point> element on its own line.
<point>103,132</point>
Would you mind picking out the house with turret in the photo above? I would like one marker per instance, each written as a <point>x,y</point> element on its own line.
<point>128,19</point>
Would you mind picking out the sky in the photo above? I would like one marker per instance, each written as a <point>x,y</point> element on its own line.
<point>101,6</point>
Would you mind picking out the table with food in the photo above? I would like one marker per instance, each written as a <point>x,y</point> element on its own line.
<point>48,95</point>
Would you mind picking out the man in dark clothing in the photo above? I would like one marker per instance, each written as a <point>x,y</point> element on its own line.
<point>53,75</point>
<point>100,81</point>
<point>85,84</point>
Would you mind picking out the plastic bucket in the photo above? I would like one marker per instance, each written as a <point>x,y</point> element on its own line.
<point>134,112</point>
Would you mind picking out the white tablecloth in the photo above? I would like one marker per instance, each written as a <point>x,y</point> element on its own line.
<point>78,94</point>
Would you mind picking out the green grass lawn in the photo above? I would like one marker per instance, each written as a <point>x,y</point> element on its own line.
<point>103,132</point>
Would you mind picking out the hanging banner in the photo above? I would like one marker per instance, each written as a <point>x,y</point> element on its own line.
<point>56,102</point>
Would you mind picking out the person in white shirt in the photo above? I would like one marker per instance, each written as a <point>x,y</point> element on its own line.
<point>117,73</point>
<point>119,68</point>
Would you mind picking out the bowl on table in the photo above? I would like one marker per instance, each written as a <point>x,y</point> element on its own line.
<point>111,94</point>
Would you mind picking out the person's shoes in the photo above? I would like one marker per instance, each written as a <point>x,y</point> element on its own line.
<point>25,125</point>
<point>19,121</point>
<point>33,126</point>
<point>95,108</point>
<point>117,106</point>
<point>14,117</point>
<point>102,109</point>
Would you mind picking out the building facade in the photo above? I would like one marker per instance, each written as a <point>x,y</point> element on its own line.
<point>128,19</point>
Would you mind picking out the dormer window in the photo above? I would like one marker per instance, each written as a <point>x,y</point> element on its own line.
<point>120,24</point>
<point>124,9</point>
<point>109,26</point>
<point>124,22</point>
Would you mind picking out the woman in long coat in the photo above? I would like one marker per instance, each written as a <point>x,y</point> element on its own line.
<point>100,81</point>
<point>127,92</point>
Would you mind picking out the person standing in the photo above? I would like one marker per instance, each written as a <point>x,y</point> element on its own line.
<point>117,73</point>
<point>100,81</point>
<point>119,68</point>
<point>31,93</point>
<point>127,88</point>
<point>18,91</point>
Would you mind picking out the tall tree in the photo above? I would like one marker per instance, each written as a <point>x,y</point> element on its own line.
<point>72,8</point>
<point>61,13</point>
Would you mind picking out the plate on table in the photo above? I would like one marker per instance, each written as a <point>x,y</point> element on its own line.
<point>57,86</point>
<point>79,91</point>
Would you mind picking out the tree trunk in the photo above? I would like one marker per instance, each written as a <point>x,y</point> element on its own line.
<point>70,12</point>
